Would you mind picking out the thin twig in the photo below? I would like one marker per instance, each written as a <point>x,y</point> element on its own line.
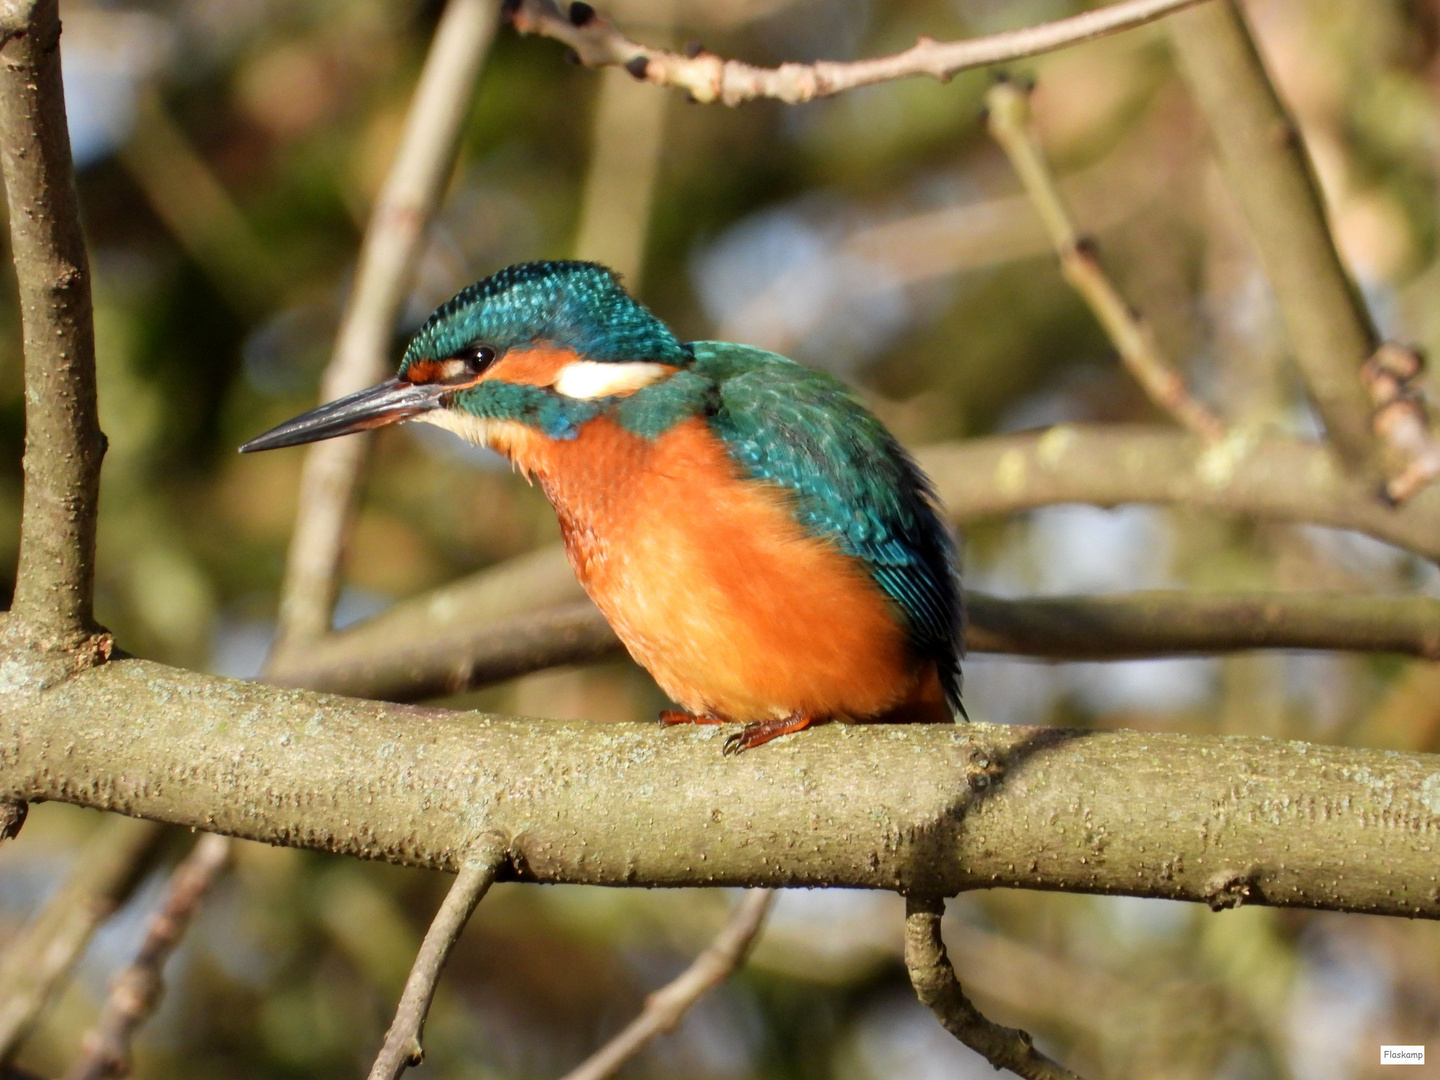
<point>1262,157</point>
<point>393,241</point>
<point>937,987</point>
<point>107,868</point>
<point>1008,118</point>
<point>667,1006</point>
<point>708,78</point>
<point>54,587</point>
<point>1402,420</point>
<point>136,990</point>
<point>437,660</point>
<point>402,1042</point>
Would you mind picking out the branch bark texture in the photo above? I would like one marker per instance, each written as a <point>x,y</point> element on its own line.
<point>393,243</point>
<point>1267,169</point>
<point>937,986</point>
<point>922,809</point>
<point>63,443</point>
<point>708,78</point>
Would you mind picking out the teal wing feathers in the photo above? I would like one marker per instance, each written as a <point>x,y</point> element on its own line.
<point>853,483</point>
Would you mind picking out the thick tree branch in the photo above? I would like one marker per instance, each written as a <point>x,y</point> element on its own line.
<point>936,986</point>
<point>395,657</point>
<point>921,809</point>
<point>667,1006</point>
<point>1246,474</point>
<point>1008,112</point>
<point>709,78</point>
<point>393,242</point>
<point>136,989</point>
<point>107,868</point>
<point>1263,158</point>
<point>63,443</point>
<point>402,1042</point>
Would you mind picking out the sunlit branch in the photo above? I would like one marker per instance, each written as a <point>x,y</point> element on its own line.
<point>926,809</point>
<point>1008,117</point>
<point>707,78</point>
<point>393,242</point>
<point>55,578</point>
<point>936,985</point>
<point>1263,160</point>
<point>402,1046</point>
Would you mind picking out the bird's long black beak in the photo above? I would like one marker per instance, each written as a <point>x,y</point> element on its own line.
<point>386,403</point>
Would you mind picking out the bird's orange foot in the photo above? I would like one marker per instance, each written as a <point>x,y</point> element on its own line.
<point>680,716</point>
<point>762,731</point>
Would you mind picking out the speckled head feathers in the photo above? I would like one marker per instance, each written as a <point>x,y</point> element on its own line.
<point>576,305</point>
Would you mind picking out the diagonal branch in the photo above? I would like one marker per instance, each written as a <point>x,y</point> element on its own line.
<point>707,78</point>
<point>106,869</point>
<point>402,1042</point>
<point>667,1006</point>
<point>937,987</point>
<point>392,245</point>
<point>1266,168</point>
<point>136,989</point>
<point>55,579</point>
<point>1008,112</point>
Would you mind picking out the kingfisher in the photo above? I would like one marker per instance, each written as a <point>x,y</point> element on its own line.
<point>759,541</point>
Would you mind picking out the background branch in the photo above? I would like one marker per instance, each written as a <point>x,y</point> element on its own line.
<point>393,242</point>
<point>106,869</point>
<point>402,1042</point>
<point>920,808</point>
<point>937,987</point>
<point>667,1006</point>
<point>1267,170</point>
<point>709,78</point>
<point>63,444</point>
<point>1008,118</point>
<point>136,989</point>
<point>399,658</point>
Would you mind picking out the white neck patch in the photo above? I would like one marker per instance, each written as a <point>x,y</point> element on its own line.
<point>589,379</point>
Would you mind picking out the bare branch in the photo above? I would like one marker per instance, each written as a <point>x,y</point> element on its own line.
<point>402,1042</point>
<point>1402,420</point>
<point>709,78</point>
<point>63,444</point>
<point>1263,159</point>
<point>136,989</point>
<point>106,869</point>
<point>1008,112</point>
<point>925,809</point>
<point>667,1006</point>
<point>1248,474</point>
<point>392,244</point>
<point>937,987</point>
<point>378,660</point>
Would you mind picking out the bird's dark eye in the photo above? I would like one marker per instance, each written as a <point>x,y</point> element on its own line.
<point>476,358</point>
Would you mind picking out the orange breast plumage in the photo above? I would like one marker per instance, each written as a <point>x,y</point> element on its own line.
<point>715,588</point>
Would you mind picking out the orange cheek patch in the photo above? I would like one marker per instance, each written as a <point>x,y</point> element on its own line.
<point>424,371</point>
<point>537,365</point>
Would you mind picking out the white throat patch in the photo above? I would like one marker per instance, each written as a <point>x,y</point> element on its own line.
<point>589,379</point>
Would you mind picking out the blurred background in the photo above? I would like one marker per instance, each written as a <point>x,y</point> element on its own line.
<point>228,154</point>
